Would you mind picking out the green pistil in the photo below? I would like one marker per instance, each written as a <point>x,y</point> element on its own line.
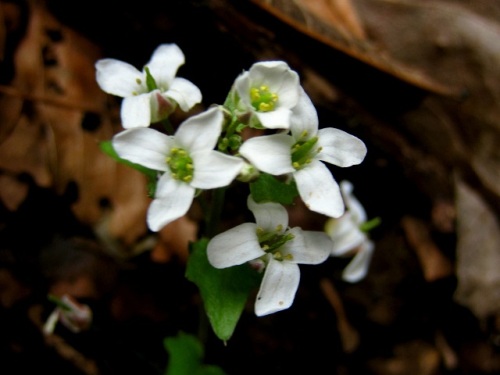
<point>181,165</point>
<point>303,152</point>
<point>370,224</point>
<point>271,242</point>
<point>150,81</point>
<point>262,99</point>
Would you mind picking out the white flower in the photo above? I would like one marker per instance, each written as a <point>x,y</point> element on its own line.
<point>187,160</point>
<point>271,242</point>
<point>302,153</point>
<point>347,236</point>
<point>75,316</point>
<point>268,91</point>
<point>150,95</point>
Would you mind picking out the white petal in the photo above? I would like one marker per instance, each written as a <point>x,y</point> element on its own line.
<point>308,247</point>
<point>264,71</point>
<point>242,88</point>
<point>277,119</point>
<point>345,234</point>
<point>278,287</point>
<point>268,215</point>
<point>200,132</point>
<point>144,146</point>
<point>164,63</point>
<point>346,187</point>
<point>304,118</point>
<point>136,111</point>
<point>119,78</point>
<point>185,93</point>
<point>319,190</point>
<point>269,153</point>
<point>213,169</point>
<point>172,200</point>
<point>235,246</point>
<point>340,148</point>
<point>359,265</point>
<point>280,79</point>
<point>354,206</point>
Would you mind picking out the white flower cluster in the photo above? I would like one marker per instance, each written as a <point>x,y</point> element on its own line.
<point>207,151</point>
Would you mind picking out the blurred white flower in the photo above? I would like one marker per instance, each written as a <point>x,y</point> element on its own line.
<point>348,237</point>
<point>75,316</point>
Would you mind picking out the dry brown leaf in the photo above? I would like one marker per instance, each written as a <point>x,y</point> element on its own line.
<point>455,43</point>
<point>348,334</point>
<point>340,13</point>
<point>336,24</point>
<point>412,358</point>
<point>53,117</point>
<point>434,264</point>
<point>174,241</point>
<point>12,191</point>
<point>478,255</point>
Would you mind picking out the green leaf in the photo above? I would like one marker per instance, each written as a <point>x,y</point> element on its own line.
<point>186,357</point>
<point>267,188</point>
<point>151,174</point>
<point>224,291</point>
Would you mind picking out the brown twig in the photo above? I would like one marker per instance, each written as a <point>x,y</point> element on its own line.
<point>348,335</point>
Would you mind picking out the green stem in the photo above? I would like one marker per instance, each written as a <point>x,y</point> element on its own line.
<point>167,126</point>
<point>215,212</point>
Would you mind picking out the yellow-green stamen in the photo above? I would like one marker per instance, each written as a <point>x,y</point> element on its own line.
<point>272,242</point>
<point>262,99</point>
<point>180,164</point>
<point>304,152</point>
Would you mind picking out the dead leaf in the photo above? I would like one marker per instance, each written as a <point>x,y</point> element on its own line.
<point>12,191</point>
<point>434,264</point>
<point>336,24</point>
<point>55,116</point>
<point>340,13</point>
<point>348,334</point>
<point>413,358</point>
<point>478,254</point>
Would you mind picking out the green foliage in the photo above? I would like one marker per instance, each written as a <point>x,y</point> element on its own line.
<point>186,357</point>
<point>267,188</point>
<point>224,291</point>
<point>151,174</point>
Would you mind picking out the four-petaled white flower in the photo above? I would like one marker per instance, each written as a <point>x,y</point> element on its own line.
<point>281,249</point>
<point>187,159</point>
<point>268,92</point>
<point>150,95</point>
<point>347,236</point>
<point>302,153</point>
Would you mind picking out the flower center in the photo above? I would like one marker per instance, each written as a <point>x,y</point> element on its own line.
<point>262,99</point>
<point>271,242</point>
<point>303,152</point>
<point>181,164</point>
